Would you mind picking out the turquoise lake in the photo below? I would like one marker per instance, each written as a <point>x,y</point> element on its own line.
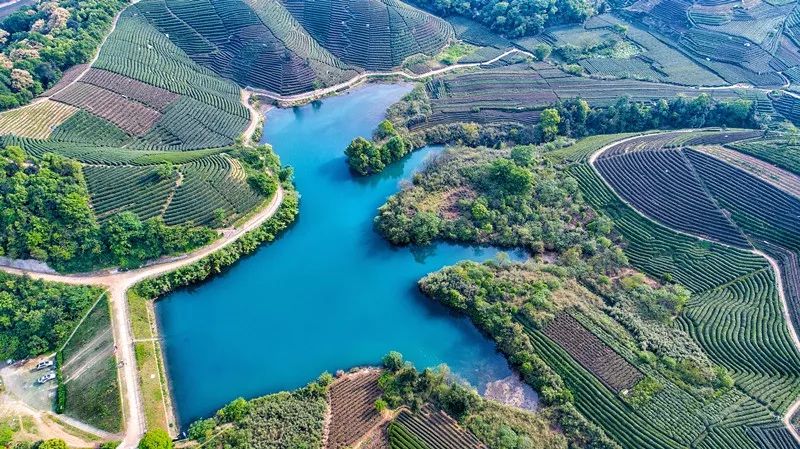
<point>329,293</point>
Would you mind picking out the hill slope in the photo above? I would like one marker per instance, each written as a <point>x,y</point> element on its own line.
<point>373,34</point>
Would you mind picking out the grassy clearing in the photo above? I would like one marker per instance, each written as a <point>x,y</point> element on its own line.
<point>148,363</point>
<point>35,121</point>
<point>90,372</point>
<point>454,52</point>
<point>150,383</point>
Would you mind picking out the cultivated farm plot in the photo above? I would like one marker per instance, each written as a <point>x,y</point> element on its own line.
<point>353,413</point>
<point>131,116</point>
<point>433,428</point>
<point>371,34</point>
<point>90,372</point>
<point>151,96</point>
<point>782,179</point>
<point>136,189</point>
<point>37,120</point>
<point>518,92</point>
<point>594,355</point>
<point>666,188</point>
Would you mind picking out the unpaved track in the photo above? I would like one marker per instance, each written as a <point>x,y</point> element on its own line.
<point>118,285</point>
<point>315,94</point>
<point>787,418</point>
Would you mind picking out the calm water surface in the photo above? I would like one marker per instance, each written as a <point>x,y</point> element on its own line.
<point>329,294</point>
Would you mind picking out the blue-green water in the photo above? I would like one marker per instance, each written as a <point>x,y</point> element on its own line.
<point>330,293</point>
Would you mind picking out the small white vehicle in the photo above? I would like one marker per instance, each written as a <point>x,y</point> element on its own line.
<point>46,378</point>
<point>44,364</point>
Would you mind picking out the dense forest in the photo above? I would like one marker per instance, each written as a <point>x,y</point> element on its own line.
<point>516,18</point>
<point>38,43</point>
<point>47,216</point>
<point>37,316</point>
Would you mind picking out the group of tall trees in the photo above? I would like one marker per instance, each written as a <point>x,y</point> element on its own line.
<point>366,157</point>
<point>576,118</point>
<point>46,215</point>
<point>38,43</point>
<point>516,18</point>
<point>37,316</point>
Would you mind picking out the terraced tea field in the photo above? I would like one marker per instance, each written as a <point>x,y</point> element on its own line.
<point>374,34</point>
<point>352,407</point>
<point>736,315</point>
<point>517,93</point>
<point>430,428</point>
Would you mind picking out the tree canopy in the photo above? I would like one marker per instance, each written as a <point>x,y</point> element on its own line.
<point>38,43</point>
<point>46,213</point>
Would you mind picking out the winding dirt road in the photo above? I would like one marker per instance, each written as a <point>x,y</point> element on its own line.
<point>787,418</point>
<point>319,93</point>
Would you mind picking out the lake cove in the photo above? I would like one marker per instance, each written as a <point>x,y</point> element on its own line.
<point>329,293</point>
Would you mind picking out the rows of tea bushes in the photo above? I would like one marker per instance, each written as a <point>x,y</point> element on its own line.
<point>515,92</point>
<point>131,116</point>
<point>436,429</point>
<point>86,127</point>
<point>372,34</point>
<point>209,112</point>
<point>778,151</point>
<point>141,190</point>
<point>254,43</point>
<point>210,185</point>
<point>149,95</point>
<point>789,264</point>
<point>764,212</point>
<point>742,327</point>
<point>661,252</point>
<point>663,185</point>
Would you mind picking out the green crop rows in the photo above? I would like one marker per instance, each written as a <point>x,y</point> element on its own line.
<point>211,184</point>
<point>659,251</point>
<point>136,189</point>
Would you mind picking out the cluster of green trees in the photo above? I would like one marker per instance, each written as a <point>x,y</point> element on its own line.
<point>508,198</point>
<point>516,198</point>
<point>572,118</point>
<point>38,43</point>
<point>287,420</point>
<point>36,316</point>
<point>516,18</point>
<point>498,426</point>
<point>46,214</point>
<point>575,118</point>
<point>220,260</point>
<point>366,157</point>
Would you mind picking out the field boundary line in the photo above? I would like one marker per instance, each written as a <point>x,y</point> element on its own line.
<point>72,334</point>
<point>795,406</point>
